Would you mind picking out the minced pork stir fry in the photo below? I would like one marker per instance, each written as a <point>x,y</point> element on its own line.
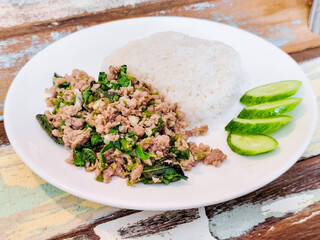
<point>120,126</point>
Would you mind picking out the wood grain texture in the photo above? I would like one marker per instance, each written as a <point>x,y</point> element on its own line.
<point>33,209</point>
<point>297,183</point>
<point>3,136</point>
<point>87,231</point>
<point>89,19</point>
<point>159,223</point>
<point>30,11</point>
<point>284,23</point>
<point>306,55</point>
<point>293,181</point>
<point>302,226</point>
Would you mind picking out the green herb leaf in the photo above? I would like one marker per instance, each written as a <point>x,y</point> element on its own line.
<point>86,95</point>
<point>102,77</point>
<point>78,158</point>
<point>142,154</point>
<point>78,117</point>
<point>67,103</point>
<point>96,139</point>
<point>130,135</point>
<point>117,145</point>
<point>64,85</point>
<point>159,125</point>
<point>164,172</point>
<point>103,81</point>
<point>88,155</point>
<point>175,138</point>
<point>180,154</point>
<point>126,145</point>
<point>124,81</point>
<point>106,94</point>
<point>58,102</point>
<point>131,166</point>
<point>57,75</point>
<point>99,178</point>
<point>123,69</point>
<point>123,78</point>
<point>47,127</point>
<point>147,113</point>
<point>115,86</point>
<point>105,148</point>
<point>151,102</point>
<point>115,129</point>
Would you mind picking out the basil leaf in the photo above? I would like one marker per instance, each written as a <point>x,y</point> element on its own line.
<point>102,77</point>
<point>117,145</point>
<point>47,127</point>
<point>163,172</point>
<point>86,95</point>
<point>64,85</point>
<point>57,75</point>
<point>105,148</point>
<point>159,125</point>
<point>123,79</point>
<point>180,154</point>
<point>142,154</point>
<point>126,145</point>
<point>96,139</point>
<point>115,129</point>
<point>78,158</point>
<point>88,156</point>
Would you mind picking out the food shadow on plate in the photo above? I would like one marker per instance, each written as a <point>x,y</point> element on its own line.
<point>289,128</point>
<point>263,156</point>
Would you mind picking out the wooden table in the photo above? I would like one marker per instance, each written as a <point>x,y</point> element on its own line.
<point>33,209</point>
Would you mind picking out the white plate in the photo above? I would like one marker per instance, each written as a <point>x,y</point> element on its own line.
<point>238,175</point>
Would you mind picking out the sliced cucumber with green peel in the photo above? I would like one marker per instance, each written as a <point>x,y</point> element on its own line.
<point>257,126</point>
<point>270,109</point>
<point>250,145</point>
<point>271,92</point>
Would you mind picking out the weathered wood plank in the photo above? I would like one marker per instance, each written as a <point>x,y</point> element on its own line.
<point>292,192</point>
<point>91,18</point>
<point>149,225</point>
<point>87,230</point>
<point>16,52</point>
<point>293,181</point>
<point>303,226</point>
<point>38,10</point>
<point>3,136</point>
<point>159,223</point>
<point>33,209</point>
<point>284,23</point>
<point>306,55</point>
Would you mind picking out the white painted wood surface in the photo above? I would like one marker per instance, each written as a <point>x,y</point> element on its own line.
<point>18,12</point>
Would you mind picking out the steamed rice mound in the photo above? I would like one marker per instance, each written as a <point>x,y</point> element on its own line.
<point>203,76</point>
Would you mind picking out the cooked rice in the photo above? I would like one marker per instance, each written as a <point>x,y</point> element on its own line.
<point>203,76</point>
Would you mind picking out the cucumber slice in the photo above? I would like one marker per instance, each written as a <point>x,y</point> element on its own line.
<point>270,109</point>
<point>256,126</point>
<point>270,92</point>
<point>250,145</point>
